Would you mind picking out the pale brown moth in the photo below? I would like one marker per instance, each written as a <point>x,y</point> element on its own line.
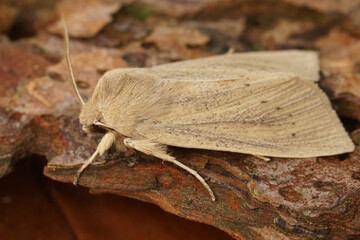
<point>263,104</point>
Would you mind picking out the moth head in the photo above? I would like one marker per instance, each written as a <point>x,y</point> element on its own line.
<point>91,119</point>
<point>89,115</point>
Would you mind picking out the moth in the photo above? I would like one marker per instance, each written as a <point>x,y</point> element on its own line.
<point>266,104</point>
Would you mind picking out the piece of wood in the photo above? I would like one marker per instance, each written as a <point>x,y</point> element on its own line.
<point>283,198</point>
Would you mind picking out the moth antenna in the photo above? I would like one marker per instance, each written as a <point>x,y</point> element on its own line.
<point>68,60</point>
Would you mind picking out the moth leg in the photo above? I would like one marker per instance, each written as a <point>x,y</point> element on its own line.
<point>266,159</point>
<point>159,150</point>
<point>120,146</point>
<point>105,143</point>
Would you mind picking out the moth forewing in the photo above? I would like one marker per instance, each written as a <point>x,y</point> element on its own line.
<point>302,64</point>
<point>284,117</point>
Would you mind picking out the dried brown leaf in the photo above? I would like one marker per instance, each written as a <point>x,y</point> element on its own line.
<point>340,61</point>
<point>340,58</point>
<point>224,33</point>
<point>52,46</point>
<point>85,18</point>
<point>177,40</point>
<point>181,8</point>
<point>45,96</point>
<point>8,15</point>
<point>231,27</point>
<point>121,31</point>
<point>284,34</point>
<point>328,6</point>
<point>89,65</point>
<point>16,65</point>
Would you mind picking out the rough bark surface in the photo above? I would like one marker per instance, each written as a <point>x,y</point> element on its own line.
<point>312,198</point>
